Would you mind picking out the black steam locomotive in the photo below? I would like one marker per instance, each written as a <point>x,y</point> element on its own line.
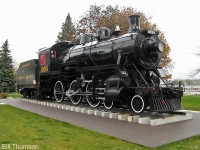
<point>106,68</point>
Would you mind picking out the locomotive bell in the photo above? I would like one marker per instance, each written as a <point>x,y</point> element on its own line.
<point>117,29</point>
<point>134,23</point>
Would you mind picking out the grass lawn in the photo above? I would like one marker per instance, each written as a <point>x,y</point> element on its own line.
<point>24,128</point>
<point>15,95</point>
<point>191,102</point>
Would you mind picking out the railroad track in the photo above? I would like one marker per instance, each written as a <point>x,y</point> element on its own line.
<point>122,114</point>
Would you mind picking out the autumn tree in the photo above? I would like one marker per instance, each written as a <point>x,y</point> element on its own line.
<point>99,16</point>
<point>68,30</point>
<point>7,80</point>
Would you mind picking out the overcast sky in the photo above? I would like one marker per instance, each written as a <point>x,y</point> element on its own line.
<point>33,24</point>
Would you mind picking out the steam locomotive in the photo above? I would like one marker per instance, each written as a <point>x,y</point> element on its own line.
<point>107,68</point>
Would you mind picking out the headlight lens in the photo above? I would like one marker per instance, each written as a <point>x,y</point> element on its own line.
<point>161,47</point>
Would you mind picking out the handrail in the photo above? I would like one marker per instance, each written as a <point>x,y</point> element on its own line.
<point>140,74</point>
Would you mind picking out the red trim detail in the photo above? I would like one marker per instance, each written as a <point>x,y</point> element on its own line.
<point>163,103</point>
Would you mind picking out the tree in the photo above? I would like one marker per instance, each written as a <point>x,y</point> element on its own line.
<point>68,30</point>
<point>99,16</point>
<point>7,80</point>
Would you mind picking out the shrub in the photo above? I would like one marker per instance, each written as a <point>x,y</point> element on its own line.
<point>3,95</point>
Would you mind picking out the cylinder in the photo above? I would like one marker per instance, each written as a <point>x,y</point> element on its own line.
<point>134,23</point>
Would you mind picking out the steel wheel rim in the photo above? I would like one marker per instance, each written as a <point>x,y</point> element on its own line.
<point>137,104</point>
<point>89,98</point>
<point>108,104</point>
<point>74,99</point>
<point>58,91</point>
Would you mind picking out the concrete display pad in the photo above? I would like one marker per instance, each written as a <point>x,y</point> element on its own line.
<point>147,135</point>
<point>145,119</point>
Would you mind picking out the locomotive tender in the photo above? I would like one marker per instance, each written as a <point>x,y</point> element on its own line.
<point>109,69</point>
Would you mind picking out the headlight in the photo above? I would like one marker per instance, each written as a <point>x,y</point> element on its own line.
<point>161,47</point>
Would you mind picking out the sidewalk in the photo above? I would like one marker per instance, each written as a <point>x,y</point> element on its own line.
<point>132,132</point>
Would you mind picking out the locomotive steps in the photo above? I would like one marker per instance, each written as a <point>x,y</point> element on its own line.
<point>153,119</point>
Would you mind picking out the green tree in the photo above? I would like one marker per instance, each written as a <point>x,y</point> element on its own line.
<point>7,80</point>
<point>109,16</point>
<point>68,30</point>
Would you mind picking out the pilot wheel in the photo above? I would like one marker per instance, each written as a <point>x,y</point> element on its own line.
<point>108,104</point>
<point>137,104</point>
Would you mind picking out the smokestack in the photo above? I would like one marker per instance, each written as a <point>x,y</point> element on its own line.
<point>134,23</point>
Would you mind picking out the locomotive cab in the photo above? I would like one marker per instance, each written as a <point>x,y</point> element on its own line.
<point>50,58</point>
<point>58,51</point>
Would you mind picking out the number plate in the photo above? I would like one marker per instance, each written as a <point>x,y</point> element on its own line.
<point>44,69</point>
<point>151,32</point>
